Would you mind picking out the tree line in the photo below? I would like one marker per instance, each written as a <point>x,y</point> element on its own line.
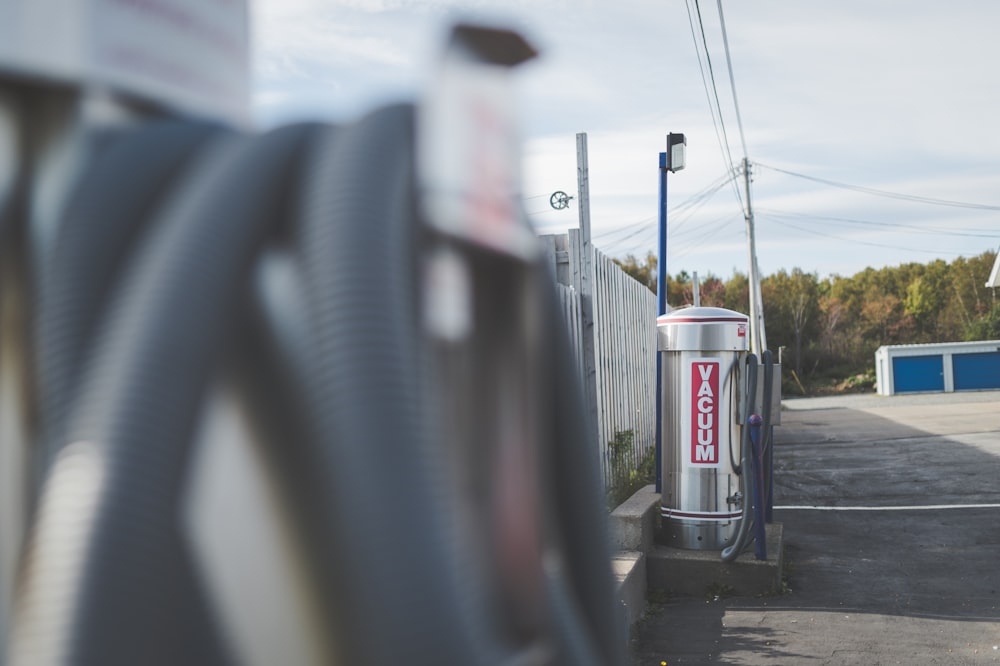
<point>831,327</point>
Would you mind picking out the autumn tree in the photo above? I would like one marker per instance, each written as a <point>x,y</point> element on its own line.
<point>791,302</point>
<point>644,272</point>
<point>738,293</point>
<point>838,322</point>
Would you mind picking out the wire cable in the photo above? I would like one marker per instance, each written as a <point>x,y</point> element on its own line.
<point>688,208</point>
<point>641,223</point>
<point>938,231</point>
<point>861,242</point>
<point>723,139</point>
<point>732,79</point>
<point>717,226</point>
<point>883,193</point>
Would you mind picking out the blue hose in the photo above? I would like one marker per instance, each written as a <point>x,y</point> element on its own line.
<point>733,551</point>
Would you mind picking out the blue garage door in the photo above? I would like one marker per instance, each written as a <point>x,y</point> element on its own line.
<point>918,373</point>
<point>976,371</point>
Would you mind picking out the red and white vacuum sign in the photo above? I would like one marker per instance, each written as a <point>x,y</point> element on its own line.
<point>704,396</point>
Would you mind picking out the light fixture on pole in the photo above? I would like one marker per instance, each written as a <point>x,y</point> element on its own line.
<point>676,151</point>
<point>673,160</point>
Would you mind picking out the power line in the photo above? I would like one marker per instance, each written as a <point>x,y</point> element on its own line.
<point>705,193</point>
<point>635,233</point>
<point>723,138</point>
<point>710,229</point>
<point>938,231</point>
<point>685,210</point>
<point>628,227</point>
<point>732,79</point>
<point>913,198</point>
<point>861,242</point>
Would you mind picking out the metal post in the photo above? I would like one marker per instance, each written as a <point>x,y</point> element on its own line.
<point>758,338</point>
<point>695,290</point>
<point>661,309</point>
<point>583,192</point>
<point>661,265</point>
<point>587,286</point>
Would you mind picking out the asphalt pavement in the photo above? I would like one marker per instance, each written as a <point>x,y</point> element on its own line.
<point>891,513</point>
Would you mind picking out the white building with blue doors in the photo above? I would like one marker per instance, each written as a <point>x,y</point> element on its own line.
<point>943,367</point>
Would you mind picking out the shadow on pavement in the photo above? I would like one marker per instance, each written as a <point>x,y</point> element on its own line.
<point>893,581</point>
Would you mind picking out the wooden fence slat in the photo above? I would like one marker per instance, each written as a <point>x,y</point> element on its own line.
<point>624,313</point>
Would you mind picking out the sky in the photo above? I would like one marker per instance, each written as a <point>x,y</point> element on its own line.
<point>899,96</point>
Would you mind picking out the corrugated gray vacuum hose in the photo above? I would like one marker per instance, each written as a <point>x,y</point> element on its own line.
<point>103,217</point>
<point>740,542</point>
<point>370,419</point>
<point>108,576</point>
<point>369,434</point>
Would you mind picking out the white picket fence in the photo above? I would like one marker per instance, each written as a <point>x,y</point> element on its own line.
<point>624,330</point>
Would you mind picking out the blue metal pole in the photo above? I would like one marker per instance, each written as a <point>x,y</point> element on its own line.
<point>661,308</point>
<point>661,261</point>
<point>760,532</point>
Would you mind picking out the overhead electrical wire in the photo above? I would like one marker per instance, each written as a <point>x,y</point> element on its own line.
<point>720,135</point>
<point>710,229</point>
<point>641,224</point>
<point>732,80</point>
<point>679,216</point>
<point>683,240</point>
<point>861,242</point>
<point>634,234</point>
<point>684,211</point>
<point>715,110</point>
<point>883,193</point>
<point>704,193</point>
<point>938,231</point>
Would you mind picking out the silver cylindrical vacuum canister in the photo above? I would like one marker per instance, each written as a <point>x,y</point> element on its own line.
<point>704,351</point>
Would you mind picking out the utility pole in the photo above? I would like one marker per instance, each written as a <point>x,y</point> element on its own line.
<point>758,337</point>
<point>583,192</point>
<point>587,283</point>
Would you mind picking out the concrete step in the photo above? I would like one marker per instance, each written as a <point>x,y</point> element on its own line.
<point>703,573</point>
<point>629,570</point>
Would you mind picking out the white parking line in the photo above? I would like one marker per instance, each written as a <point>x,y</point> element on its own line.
<point>915,507</point>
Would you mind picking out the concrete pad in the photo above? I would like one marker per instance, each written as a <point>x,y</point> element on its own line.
<point>702,573</point>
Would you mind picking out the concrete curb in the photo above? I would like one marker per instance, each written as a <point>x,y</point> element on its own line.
<point>631,527</point>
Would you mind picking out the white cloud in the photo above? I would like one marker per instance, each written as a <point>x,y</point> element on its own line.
<point>899,95</point>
